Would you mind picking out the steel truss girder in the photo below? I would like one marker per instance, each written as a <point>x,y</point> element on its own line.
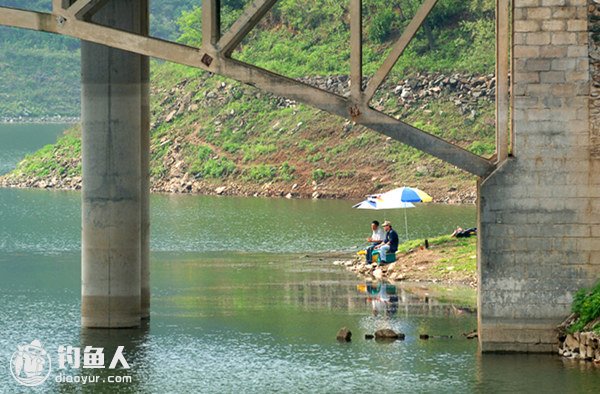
<point>214,57</point>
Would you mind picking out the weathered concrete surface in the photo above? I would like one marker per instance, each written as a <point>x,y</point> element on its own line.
<point>594,18</point>
<point>539,212</point>
<point>145,168</point>
<point>111,194</point>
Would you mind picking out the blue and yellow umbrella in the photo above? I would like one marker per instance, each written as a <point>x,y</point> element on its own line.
<point>402,197</point>
<point>404,194</point>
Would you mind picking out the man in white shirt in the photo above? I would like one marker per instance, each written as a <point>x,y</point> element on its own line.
<point>376,238</point>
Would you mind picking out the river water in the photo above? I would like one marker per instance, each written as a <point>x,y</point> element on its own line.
<point>244,299</point>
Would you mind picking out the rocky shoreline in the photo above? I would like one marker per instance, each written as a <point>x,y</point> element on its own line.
<point>188,185</point>
<point>581,345</point>
<point>418,265</point>
<point>43,119</point>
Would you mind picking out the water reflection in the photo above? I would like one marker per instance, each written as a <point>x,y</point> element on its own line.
<point>547,373</point>
<point>382,296</point>
<point>245,325</point>
<point>410,300</point>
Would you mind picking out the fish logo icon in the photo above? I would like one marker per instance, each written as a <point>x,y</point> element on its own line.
<point>30,365</point>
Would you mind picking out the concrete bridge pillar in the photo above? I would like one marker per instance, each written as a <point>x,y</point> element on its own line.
<point>114,204</point>
<point>145,169</point>
<point>539,213</point>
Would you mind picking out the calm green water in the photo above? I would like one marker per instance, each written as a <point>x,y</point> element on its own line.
<point>50,222</point>
<point>16,140</point>
<point>239,306</point>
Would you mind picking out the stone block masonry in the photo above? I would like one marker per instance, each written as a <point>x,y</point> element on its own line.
<point>594,21</point>
<point>539,212</point>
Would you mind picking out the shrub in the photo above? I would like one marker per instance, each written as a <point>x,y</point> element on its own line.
<point>319,174</point>
<point>251,152</point>
<point>308,146</point>
<point>482,148</point>
<point>314,158</point>
<point>231,147</point>
<point>586,304</point>
<point>345,174</point>
<point>218,168</point>
<point>286,172</point>
<point>204,152</point>
<point>262,172</point>
<point>381,25</point>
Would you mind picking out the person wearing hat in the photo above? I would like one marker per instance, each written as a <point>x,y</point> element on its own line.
<point>390,244</point>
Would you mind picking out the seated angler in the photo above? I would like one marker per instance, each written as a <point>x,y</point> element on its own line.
<point>376,238</point>
<point>390,244</point>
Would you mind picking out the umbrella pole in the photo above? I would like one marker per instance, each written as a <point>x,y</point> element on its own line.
<point>405,224</point>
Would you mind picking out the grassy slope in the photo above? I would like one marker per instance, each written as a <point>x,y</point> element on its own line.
<point>244,136</point>
<point>455,255</point>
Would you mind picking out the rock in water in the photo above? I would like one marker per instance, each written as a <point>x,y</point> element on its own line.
<point>471,335</point>
<point>424,336</point>
<point>369,336</point>
<point>388,334</point>
<point>344,335</point>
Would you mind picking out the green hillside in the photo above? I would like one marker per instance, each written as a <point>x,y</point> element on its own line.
<point>39,72</point>
<point>212,135</point>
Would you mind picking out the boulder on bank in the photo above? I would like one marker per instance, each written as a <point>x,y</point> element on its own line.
<point>582,346</point>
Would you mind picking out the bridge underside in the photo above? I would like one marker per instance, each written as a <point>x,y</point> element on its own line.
<point>538,209</point>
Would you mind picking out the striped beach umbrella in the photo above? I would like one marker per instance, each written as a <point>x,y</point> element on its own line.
<point>403,195</point>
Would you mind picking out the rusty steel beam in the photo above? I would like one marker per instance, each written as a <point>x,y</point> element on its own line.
<point>362,115</point>
<point>252,75</point>
<point>211,23</point>
<point>57,6</point>
<point>356,50</point>
<point>398,48</point>
<point>28,20</point>
<point>85,9</point>
<point>79,6</point>
<point>243,25</point>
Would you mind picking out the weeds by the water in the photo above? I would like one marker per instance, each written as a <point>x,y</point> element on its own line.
<point>586,304</point>
<point>458,254</point>
<point>461,252</point>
